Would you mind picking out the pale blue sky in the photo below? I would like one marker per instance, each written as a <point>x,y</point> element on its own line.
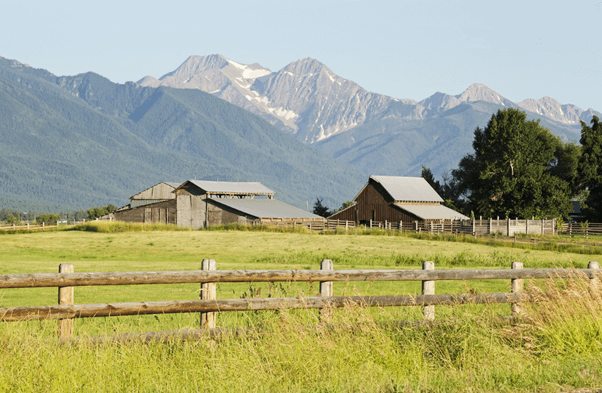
<point>521,49</point>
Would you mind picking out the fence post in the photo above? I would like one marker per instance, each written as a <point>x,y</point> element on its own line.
<point>431,227</point>
<point>66,297</point>
<point>474,227</point>
<point>543,223</point>
<point>595,280</point>
<point>326,289</point>
<point>28,225</point>
<point>508,227</point>
<point>346,225</point>
<point>370,223</point>
<point>208,292</point>
<point>42,226</point>
<point>428,288</point>
<point>400,226</point>
<point>516,286</point>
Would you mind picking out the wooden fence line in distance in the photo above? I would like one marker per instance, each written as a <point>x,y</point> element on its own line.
<point>209,305</point>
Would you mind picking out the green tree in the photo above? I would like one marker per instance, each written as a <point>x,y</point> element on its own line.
<point>447,190</point>
<point>96,212</point>
<point>590,170</point>
<point>48,218</point>
<point>10,219</point>
<point>320,209</point>
<point>518,169</point>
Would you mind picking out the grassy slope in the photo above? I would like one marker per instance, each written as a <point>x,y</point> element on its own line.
<point>473,353</point>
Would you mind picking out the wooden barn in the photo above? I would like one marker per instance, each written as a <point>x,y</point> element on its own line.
<point>205,203</point>
<point>156,204</point>
<point>397,199</point>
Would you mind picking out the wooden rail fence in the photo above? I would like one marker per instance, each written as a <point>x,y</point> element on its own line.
<point>208,304</point>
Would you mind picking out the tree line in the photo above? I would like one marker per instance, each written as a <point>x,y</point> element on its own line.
<point>17,217</point>
<point>520,169</point>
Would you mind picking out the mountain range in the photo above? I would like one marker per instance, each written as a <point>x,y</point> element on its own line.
<point>375,133</point>
<point>79,141</point>
<point>82,141</point>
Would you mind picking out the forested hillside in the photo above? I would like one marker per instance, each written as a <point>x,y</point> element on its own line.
<point>82,141</point>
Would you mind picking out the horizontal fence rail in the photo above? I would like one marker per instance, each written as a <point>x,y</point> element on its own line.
<point>223,305</point>
<point>208,305</point>
<point>40,280</point>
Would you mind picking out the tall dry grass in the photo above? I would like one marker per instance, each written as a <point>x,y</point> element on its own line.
<point>555,346</point>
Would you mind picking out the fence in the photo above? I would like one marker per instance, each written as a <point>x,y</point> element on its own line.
<point>480,227</point>
<point>208,304</point>
<point>35,226</point>
<point>580,228</point>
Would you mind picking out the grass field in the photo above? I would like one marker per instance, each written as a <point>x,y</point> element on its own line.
<point>553,350</point>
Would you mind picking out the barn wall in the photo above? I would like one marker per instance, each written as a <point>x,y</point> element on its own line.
<point>222,215</point>
<point>162,212</point>
<point>372,205</point>
<point>159,191</point>
<point>191,207</point>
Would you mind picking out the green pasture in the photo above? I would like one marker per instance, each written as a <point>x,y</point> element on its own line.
<point>184,250</point>
<point>553,348</point>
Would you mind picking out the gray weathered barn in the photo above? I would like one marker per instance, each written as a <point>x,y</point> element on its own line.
<point>397,199</point>
<point>156,204</point>
<point>206,203</point>
<point>201,203</point>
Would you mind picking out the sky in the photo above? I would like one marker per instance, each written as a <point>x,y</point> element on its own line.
<point>520,49</point>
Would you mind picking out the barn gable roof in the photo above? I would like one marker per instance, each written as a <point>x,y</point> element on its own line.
<point>230,188</point>
<point>265,208</point>
<point>406,189</point>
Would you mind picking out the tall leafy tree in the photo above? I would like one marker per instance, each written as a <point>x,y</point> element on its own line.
<point>518,169</point>
<point>590,169</point>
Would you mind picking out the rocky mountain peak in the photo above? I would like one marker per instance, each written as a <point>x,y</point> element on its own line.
<point>149,81</point>
<point>196,64</point>
<point>480,92</point>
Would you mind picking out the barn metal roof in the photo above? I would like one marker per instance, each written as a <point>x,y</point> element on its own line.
<point>408,189</point>
<point>265,208</point>
<point>431,211</point>
<point>227,187</point>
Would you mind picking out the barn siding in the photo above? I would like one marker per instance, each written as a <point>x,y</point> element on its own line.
<point>158,191</point>
<point>191,207</point>
<point>222,215</point>
<point>161,212</point>
<point>373,203</point>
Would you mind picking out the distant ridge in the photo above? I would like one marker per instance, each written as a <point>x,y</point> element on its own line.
<point>374,132</point>
<point>84,141</point>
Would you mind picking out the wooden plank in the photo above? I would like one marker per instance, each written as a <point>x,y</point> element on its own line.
<point>66,297</point>
<point>225,305</point>
<point>428,288</point>
<point>39,280</point>
<point>326,289</point>
<point>516,286</point>
<point>208,292</point>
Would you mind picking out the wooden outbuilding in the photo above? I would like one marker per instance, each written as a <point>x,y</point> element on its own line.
<point>397,199</point>
<point>156,204</point>
<point>202,203</point>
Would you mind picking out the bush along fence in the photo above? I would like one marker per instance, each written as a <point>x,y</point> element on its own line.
<point>208,304</point>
